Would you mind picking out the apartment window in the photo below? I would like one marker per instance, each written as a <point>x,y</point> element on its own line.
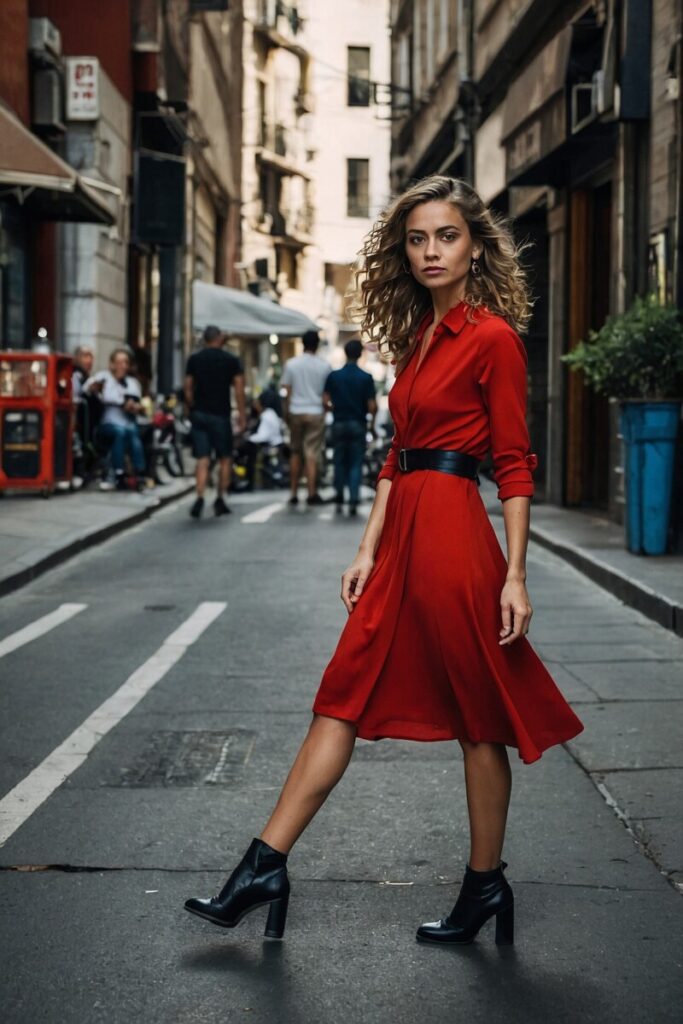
<point>358,64</point>
<point>447,23</point>
<point>417,48</point>
<point>430,41</point>
<point>357,188</point>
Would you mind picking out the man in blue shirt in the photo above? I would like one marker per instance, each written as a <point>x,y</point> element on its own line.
<point>350,392</point>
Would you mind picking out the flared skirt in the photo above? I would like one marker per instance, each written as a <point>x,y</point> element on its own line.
<point>419,656</point>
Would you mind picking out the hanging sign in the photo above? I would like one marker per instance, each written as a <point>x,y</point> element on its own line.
<point>82,88</point>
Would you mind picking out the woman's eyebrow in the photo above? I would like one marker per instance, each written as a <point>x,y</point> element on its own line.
<point>446,227</point>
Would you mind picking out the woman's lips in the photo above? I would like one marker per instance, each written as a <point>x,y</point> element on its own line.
<point>432,271</point>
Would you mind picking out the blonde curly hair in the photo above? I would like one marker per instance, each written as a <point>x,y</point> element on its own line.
<point>389,302</point>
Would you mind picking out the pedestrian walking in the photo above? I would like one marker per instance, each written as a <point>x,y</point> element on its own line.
<point>303,380</point>
<point>351,394</point>
<point>435,645</point>
<point>209,377</point>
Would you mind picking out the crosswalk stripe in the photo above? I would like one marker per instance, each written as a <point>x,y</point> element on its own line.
<point>39,627</point>
<point>262,515</point>
<point>20,803</point>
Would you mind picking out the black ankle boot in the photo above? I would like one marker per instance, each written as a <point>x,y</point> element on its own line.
<point>259,879</point>
<point>483,894</point>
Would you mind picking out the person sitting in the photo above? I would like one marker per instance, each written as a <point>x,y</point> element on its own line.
<point>120,394</point>
<point>268,433</point>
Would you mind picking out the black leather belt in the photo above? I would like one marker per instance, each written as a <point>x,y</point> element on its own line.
<point>442,460</point>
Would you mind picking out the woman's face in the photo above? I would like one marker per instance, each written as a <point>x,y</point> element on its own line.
<point>439,246</point>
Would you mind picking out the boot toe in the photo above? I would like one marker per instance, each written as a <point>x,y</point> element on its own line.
<point>442,931</point>
<point>198,906</point>
<point>431,931</point>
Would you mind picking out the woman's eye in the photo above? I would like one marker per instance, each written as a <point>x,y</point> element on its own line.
<point>415,240</point>
<point>450,237</point>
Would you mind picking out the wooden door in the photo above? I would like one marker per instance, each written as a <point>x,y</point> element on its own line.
<point>587,434</point>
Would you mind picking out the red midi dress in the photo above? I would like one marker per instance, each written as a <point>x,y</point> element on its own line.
<point>419,656</point>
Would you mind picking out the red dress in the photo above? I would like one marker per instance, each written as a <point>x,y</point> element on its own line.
<point>419,657</point>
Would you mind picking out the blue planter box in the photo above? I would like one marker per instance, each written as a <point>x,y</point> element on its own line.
<point>649,430</point>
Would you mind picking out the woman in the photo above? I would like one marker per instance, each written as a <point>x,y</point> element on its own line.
<point>434,647</point>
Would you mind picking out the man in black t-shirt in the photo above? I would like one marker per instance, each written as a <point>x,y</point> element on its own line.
<point>210,374</point>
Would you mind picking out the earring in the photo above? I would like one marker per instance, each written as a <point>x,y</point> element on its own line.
<point>475,269</point>
<point>406,269</point>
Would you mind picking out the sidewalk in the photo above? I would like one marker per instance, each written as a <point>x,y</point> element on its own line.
<point>620,673</point>
<point>37,534</point>
<point>651,584</point>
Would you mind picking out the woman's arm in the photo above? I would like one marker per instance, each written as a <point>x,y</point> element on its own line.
<point>503,380</point>
<point>515,607</point>
<point>356,576</point>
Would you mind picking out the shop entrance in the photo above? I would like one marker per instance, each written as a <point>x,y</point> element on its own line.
<point>587,462</point>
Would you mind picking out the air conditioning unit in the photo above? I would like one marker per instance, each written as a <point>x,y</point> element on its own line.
<point>583,106</point>
<point>45,37</point>
<point>48,100</point>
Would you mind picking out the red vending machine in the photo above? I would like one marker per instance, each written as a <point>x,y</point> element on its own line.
<point>36,421</point>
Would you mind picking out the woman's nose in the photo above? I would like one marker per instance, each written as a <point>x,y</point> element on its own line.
<point>431,249</point>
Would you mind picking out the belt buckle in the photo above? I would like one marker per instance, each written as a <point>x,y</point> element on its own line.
<point>403,460</point>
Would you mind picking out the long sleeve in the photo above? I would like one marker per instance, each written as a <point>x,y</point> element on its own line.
<point>388,470</point>
<point>503,381</point>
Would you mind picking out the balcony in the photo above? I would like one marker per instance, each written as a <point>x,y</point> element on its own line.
<point>282,148</point>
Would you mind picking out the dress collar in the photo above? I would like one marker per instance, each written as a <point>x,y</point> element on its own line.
<point>453,321</point>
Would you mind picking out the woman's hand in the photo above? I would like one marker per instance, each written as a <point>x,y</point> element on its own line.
<point>516,611</point>
<point>355,578</point>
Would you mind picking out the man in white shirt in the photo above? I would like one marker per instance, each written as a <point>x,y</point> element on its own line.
<point>304,379</point>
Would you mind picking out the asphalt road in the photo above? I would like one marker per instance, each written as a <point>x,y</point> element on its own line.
<point>144,737</point>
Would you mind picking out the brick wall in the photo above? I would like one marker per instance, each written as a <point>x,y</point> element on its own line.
<point>14,88</point>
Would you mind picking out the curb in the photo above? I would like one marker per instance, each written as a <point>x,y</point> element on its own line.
<point>629,590</point>
<point>31,572</point>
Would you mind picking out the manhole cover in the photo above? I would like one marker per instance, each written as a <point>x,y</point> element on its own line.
<point>191,758</point>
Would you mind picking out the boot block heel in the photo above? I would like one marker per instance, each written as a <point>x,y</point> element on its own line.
<point>505,926</point>
<point>277,918</point>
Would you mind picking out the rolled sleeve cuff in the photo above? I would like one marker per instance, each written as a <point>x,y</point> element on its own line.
<point>523,485</point>
<point>386,473</point>
<point>512,489</point>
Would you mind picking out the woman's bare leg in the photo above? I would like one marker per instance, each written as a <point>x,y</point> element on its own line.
<point>318,767</point>
<point>488,781</point>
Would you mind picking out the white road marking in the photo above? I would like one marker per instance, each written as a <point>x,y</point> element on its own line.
<point>262,515</point>
<point>215,773</point>
<point>27,796</point>
<point>39,627</point>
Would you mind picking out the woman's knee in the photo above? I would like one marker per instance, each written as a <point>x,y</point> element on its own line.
<point>482,751</point>
<point>328,727</point>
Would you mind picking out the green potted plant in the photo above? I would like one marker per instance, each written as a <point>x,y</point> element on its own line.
<point>637,358</point>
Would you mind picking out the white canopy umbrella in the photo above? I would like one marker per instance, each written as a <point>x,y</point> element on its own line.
<point>242,313</point>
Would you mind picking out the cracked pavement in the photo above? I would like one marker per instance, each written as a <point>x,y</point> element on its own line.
<point>92,883</point>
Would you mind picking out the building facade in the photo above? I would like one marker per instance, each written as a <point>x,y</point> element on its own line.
<point>567,118</point>
<point>352,135</point>
<point>146,109</point>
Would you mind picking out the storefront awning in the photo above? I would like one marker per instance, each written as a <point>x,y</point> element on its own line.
<point>244,314</point>
<point>535,118</point>
<point>43,183</point>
